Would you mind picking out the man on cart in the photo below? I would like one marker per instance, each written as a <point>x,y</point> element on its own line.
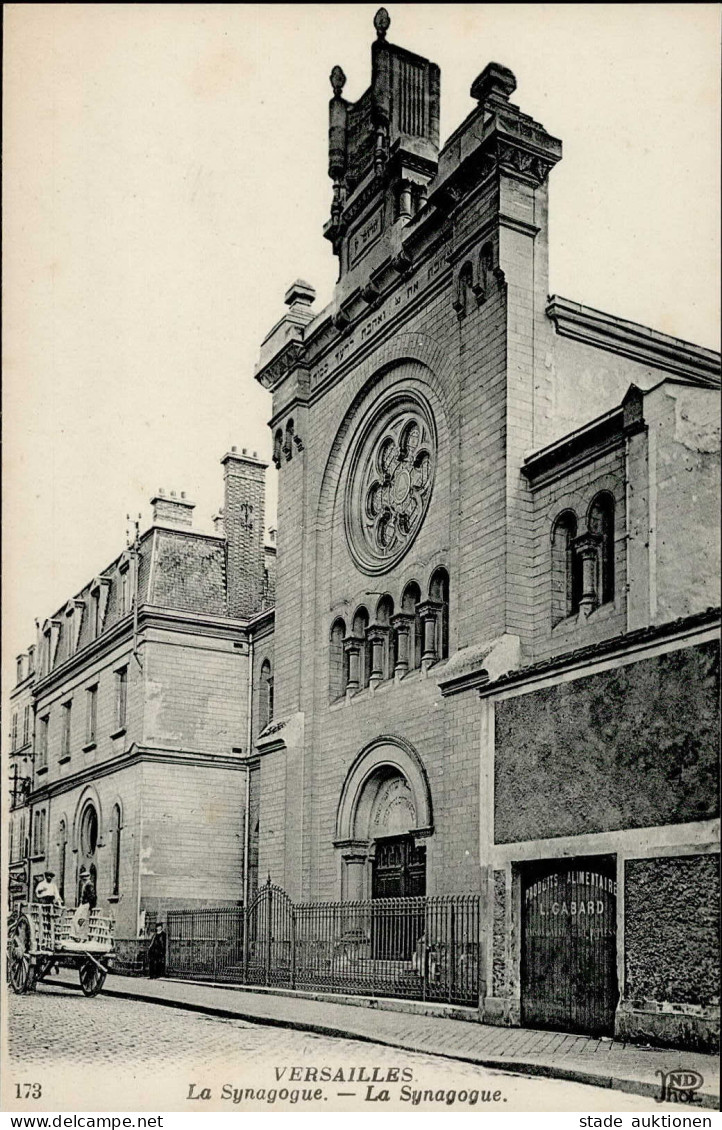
<point>47,891</point>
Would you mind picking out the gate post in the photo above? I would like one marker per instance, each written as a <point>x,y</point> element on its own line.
<point>269,928</point>
<point>293,948</point>
<point>452,977</point>
<point>244,923</point>
<point>215,948</point>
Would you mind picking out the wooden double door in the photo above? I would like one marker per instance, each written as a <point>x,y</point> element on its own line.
<point>399,868</point>
<point>399,872</point>
<point>569,945</point>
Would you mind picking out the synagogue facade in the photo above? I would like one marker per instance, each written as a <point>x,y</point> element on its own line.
<point>497,605</point>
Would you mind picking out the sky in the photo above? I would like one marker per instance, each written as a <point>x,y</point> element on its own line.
<point>165,181</point>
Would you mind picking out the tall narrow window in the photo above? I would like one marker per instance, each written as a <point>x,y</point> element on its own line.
<point>15,731</point>
<point>39,832</point>
<point>41,760</point>
<point>277,447</point>
<point>359,630</point>
<point>409,604</point>
<point>336,663</point>
<point>125,592</point>
<point>566,570</point>
<point>92,715</point>
<point>65,731</point>
<point>266,693</point>
<point>62,856</point>
<point>26,725</point>
<point>121,697</point>
<point>439,591</point>
<point>601,523</point>
<point>95,613</point>
<point>115,862</point>
<point>383,654</point>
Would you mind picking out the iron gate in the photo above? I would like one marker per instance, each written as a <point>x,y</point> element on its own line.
<point>269,949</point>
<point>569,952</point>
<point>425,948</point>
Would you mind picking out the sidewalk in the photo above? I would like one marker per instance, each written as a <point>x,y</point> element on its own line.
<point>557,1055</point>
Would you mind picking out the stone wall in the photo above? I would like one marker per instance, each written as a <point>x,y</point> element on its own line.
<point>671,950</point>
<point>630,747</point>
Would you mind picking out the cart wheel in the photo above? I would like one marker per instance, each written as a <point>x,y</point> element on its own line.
<point>20,971</point>
<point>92,978</point>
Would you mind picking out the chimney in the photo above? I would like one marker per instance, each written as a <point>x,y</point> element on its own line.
<point>219,524</point>
<point>244,517</point>
<point>168,510</point>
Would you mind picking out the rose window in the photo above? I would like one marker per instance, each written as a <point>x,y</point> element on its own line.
<point>390,487</point>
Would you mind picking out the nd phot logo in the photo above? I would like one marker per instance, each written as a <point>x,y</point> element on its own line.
<point>679,1086</point>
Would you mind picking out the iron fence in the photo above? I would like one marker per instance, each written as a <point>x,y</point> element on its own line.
<point>424,948</point>
<point>205,943</point>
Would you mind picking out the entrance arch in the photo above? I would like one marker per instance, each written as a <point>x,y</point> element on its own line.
<point>383,812</point>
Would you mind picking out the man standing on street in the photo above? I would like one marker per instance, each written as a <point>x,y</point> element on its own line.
<point>156,952</point>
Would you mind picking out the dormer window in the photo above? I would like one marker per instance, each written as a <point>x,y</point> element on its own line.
<point>95,613</point>
<point>125,600</point>
<point>98,604</point>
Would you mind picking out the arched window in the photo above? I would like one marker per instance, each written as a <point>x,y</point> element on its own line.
<point>278,447</point>
<point>116,829</point>
<point>601,523</point>
<point>288,445</point>
<point>266,694</point>
<point>486,271</point>
<point>383,656</point>
<point>464,283</point>
<point>566,570</point>
<point>62,856</point>
<point>409,604</point>
<point>439,591</point>
<point>89,831</point>
<point>336,661</point>
<point>359,629</point>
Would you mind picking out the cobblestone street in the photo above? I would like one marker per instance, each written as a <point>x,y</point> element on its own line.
<point>132,1055</point>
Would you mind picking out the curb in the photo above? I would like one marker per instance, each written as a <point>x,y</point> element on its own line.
<point>519,1066</point>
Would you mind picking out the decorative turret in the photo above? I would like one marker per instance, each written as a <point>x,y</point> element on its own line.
<point>383,149</point>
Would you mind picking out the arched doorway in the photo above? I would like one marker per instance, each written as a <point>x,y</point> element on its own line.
<point>88,844</point>
<point>383,819</point>
<point>398,863</point>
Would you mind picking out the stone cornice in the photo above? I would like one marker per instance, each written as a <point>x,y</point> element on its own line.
<point>170,619</point>
<point>593,327</point>
<point>193,623</point>
<point>133,756</point>
<point>592,440</point>
<point>687,628</point>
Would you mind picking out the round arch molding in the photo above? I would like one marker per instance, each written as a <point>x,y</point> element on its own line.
<point>387,755</point>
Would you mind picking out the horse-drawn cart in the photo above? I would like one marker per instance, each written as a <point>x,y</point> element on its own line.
<point>43,937</point>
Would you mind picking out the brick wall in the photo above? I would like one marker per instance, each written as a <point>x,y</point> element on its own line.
<point>244,518</point>
<point>574,491</point>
